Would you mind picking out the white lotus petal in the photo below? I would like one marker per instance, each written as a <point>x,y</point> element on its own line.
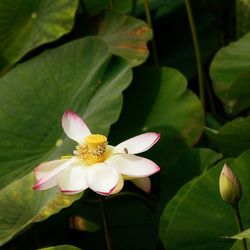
<point>137,144</point>
<point>143,183</point>
<point>101,178</point>
<point>74,127</point>
<point>119,186</point>
<point>46,177</point>
<point>72,180</point>
<point>44,168</point>
<point>46,185</point>
<point>132,165</point>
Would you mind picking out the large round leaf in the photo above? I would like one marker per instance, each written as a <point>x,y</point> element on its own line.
<point>20,206</point>
<point>25,24</point>
<point>159,100</point>
<point>175,105</point>
<point>33,97</point>
<point>126,36</point>
<point>230,74</point>
<point>198,218</point>
<point>233,138</point>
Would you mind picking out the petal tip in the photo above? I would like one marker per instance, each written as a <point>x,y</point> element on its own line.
<point>70,192</point>
<point>157,168</point>
<point>147,190</point>
<point>69,112</point>
<point>106,193</point>
<point>157,136</point>
<point>36,186</point>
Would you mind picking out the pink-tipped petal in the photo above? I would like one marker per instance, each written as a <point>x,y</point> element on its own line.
<point>228,173</point>
<point>44,168</point>
<point>46,185</point>
<point>143,183</point>
<point>137,144</point>
<point>132,165</point>
<point>72,192</point>
<point>72,179</point>
<point>74,127</point>
<point>101,178</point>
<point>119,186</point>
<point>51,174</point>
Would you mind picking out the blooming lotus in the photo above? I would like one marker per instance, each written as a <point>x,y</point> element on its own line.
<point>95,164</point>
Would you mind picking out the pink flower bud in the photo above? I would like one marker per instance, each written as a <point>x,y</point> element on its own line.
<point>230,188</point>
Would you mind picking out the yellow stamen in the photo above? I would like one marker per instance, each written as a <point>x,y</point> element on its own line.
<point>94,150</point>
<point>95,140</point>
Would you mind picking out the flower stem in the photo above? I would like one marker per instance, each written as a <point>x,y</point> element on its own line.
<point>149,21</point>
<point>106,223</point>
<point>110,4</point>
<point>237,217</point>
<point>197,52</point>
<point>134,4</point>
<point>150,203</point>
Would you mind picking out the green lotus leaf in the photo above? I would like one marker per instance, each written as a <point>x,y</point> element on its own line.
<point>233,138</point>
<point>79,75</point>
<point>214,219</point>
<point>126,36</point>
<point>26,24</point>
<point>230,74</point>
<point>158,100</point>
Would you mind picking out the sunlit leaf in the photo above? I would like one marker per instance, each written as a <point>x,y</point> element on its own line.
<point>230,74</point>
<point>33,96</point>
<point>26,24</point>
<point>21,205</point>
<point>126,36</point>
<point>238,245</point>
<point>81,224</point>
<point>240,236</point>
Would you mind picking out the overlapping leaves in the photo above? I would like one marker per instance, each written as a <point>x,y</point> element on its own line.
<point>26,24</point>
<point>34,96</point>
<point>179,227</point>
<point>230,72</point>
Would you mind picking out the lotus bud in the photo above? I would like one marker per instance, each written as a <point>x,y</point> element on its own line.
<point>230,188</point>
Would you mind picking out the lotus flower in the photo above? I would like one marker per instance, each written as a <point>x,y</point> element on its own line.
<point>97,165</point>
<point>230,188</point>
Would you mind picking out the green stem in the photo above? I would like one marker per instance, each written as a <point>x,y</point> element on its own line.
<point>149,21</point>
<point>110,4</point>
<point>197,52</point>
<point>237,217</point>
<point>134,4</point>
<point>210,96</point>
<point>149,202</point>
<point>106,223</point>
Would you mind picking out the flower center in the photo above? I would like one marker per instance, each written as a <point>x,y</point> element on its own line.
<point>94,149</point>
